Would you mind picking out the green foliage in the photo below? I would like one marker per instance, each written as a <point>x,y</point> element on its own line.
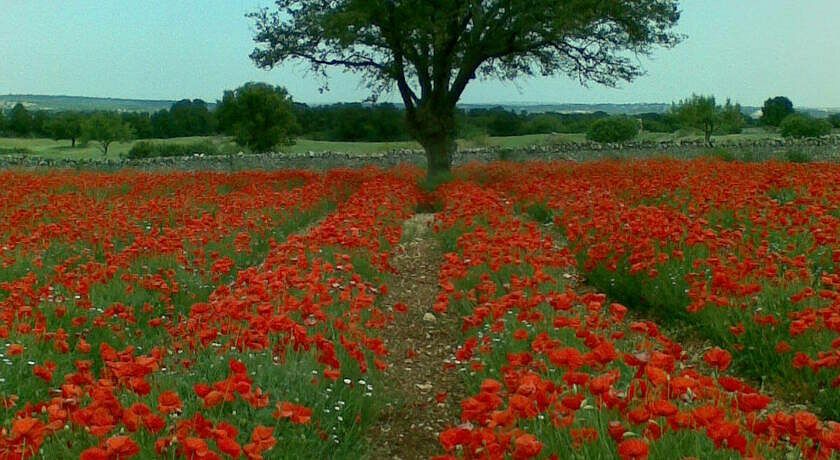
<point>540,212</point>
<point>140,123</point>
<point>801,125</point>
<point>15,151</point>
<point>352,122</point>
<point>106,128</point>
<point>431,183</point>
<point>402,44</point>
<point>697,112</point>
<point>730,118</point>
<point>659,122</point>
<point>703,113</point>
<point>721,154</point>
<point>66,125</point>
<point>834,119</point>
<point>613,129</point>
<point>184,118</point>
<point>192,118</point>
<point>797,156</point>
<point>146,149</point>
<point>259,116</point>
<point>475,135</point>
<point>20,121</point>
<point>775,110</point>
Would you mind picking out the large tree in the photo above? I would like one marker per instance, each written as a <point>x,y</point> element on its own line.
<point>258,115</point>
<point>430,50</point>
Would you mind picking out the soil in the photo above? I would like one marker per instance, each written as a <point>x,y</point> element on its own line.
<point>420,343</point>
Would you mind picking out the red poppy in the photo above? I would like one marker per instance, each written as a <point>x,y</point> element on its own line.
<point>633,449</point>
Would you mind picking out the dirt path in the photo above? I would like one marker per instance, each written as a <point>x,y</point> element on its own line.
<point>420,342</point>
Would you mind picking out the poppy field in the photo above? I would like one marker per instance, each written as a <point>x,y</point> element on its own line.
<point>638,309</point>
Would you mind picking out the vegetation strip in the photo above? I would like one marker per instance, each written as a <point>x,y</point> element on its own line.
<point>551,368</point>
<point>422,392</point>
<point>216,370</point>
<point>747,256</point>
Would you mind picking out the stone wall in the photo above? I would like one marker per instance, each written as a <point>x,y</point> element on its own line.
<point>819,149</point>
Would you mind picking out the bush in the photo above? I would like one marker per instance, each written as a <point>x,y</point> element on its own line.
<point>798,125</point>
<point>797,156</point>
<point>146,149</point>
<point>834,119</point>
<point>613,129</point>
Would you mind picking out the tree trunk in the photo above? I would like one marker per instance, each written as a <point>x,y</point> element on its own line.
<point>72,142</point>
<point>439,153</point>
<point>433,126</point>
<point>708,130</point>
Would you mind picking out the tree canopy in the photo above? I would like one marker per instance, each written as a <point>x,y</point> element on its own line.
<point>258,115</point>
<point>430,50</point>
<point>703,113</point>
<point>20,120</point>
<point>106,128</point>
<point>775,110</point>
<point>66,125</point>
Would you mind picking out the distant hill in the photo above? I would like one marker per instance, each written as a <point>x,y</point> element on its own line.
<point>59,103</point>
<point>613,109</point>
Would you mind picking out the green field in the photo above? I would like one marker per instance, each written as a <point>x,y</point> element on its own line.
<point>48,148</point>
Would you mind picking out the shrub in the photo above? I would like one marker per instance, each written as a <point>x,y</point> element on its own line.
<point>834,119</point>
<point>797,156</point>
<point>799,125</point>
<point>613,129</point>
<point>146,149</point>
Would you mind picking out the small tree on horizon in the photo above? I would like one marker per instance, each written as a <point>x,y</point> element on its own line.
<point>698,112</point>
<point>20,121</point>
<point>775,110</point>
<point>430,50</point>
<point>66,125</point>
<point>105,129</point>
<point>703,113</point>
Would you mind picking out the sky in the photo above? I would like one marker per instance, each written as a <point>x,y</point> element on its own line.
<point>747,50</point>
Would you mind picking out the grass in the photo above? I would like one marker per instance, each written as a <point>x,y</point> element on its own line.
<point>48,148</point>
<point>51,149</point>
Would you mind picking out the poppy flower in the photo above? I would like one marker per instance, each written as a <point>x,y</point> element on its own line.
<point>298,414</point>
<point>633,449</point>
<point>169,402</point>
<point>718,358</point>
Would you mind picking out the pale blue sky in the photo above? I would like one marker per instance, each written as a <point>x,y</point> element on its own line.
<point>172,49</point>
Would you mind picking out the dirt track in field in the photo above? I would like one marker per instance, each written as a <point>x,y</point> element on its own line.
<point>420,342</point>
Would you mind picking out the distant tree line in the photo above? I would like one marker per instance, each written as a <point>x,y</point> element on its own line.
<point>261,117</point>
<point>185,118</point>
